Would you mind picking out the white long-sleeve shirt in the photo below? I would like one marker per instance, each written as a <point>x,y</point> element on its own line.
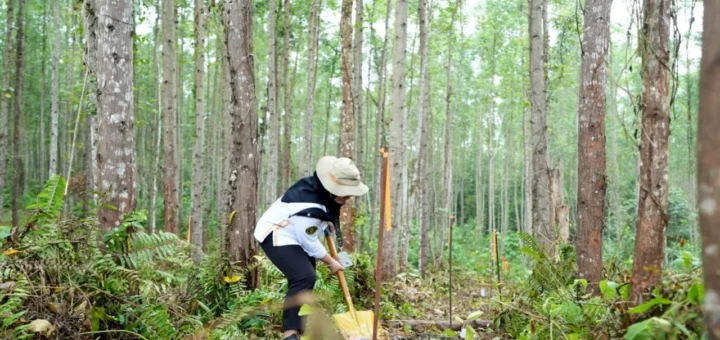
<point>290,229</point>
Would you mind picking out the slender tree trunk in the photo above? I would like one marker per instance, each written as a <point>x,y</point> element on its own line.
<point>348,116</point>
<point>55,101</point>
<point>397,142</point>
<point>423,174</point>
<point>286,159</point>
<point>91,51</point>
<point>273,113</point>
<point>17,101</point>
<point>6,95</point>
<point>380,127</point>
<point>540,179</point>
<point>479,188</point>
<point>116,138</point>
<point>709,163</point>
<point>39,175</point>
<point>652,218</point>
<point>157,124</point>
<point>243,178</point>
<point>358,84</point>
<point>509,151</point>
<point>592,173</point>
<point>199,150</point>
<point>691,180</point>
<point>528,170</point>
<point>307,158</point>
<point>449,134</point>
<point>170,199</point>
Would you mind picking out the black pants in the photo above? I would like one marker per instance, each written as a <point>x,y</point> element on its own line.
<point>299,269</point>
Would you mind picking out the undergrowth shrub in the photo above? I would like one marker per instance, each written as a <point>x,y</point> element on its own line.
<point>553,304</point>
<point>129,284</point>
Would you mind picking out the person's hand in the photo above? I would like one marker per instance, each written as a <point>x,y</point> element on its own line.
<point>335,266</point>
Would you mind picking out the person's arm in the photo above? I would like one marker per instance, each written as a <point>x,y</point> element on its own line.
<point>308,230</point>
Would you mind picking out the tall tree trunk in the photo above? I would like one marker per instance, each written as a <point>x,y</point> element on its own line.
<point>527,169</point>
<point>243,178</point>
<point>55,100</point>
<point>709,164</point>
<point>273,113</point>
<point>199,150</point>
<point>652,218</point>
<point>306,160</point>
<point>592,172</point>
<point>6,95</point>
<point>39,175</point>
<point>449,134</point>
<point>358,84</point>
<point>286,158</point>
<point>509,151</point>
<point>479,188</point>
<point>169,98</point>
<point>158,124</point>
<point>397,142</point>
<point>17,101</point>
<point>348,116</point>
<point>380,127</point>
<point>116,138</point>
<point>691,180</point>
<point>91,22</point>
<point>540,181</point>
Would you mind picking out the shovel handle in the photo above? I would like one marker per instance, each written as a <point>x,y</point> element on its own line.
<point>341,275</point>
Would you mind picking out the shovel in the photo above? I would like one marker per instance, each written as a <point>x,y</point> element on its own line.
<point>353,325</point>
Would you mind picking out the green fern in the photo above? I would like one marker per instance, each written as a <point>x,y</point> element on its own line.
<point>50,200</point>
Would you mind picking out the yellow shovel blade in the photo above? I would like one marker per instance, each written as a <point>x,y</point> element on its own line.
<point>357,330</point>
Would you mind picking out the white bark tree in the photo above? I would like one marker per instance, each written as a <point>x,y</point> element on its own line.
<point>116,138</point>
<point>199,149</point>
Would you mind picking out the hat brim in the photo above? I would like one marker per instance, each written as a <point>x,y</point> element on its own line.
<point>323,168</point>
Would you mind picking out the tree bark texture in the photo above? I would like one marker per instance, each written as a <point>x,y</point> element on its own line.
<point>592,172</point>
<point>348,116</point>
<point>158,124</point>
<point>244,159</point>
<point>540,179</point>
<point>358,84</point>
<point>199,149</point>
<point>273,115</point>
<point>116,137</point>
<point>708,152</point>
<point>17,108</point>
<point>306,160</point>
<point>169,98</point>
<point>652,218</point>
<point>5,98</point>
<point>397,140</point>
<point>91,27</point>
<point>449,134</point>
<point>380,127</point>
<point>421,184</point>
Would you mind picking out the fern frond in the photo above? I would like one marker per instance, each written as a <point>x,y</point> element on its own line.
<point>50,200</point>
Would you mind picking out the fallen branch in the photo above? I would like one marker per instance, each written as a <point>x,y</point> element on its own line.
<point>442,325</point>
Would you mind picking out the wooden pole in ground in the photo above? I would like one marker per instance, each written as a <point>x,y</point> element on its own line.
<point>384,187</point>
<point>496,259</point>
<point>452,219</point>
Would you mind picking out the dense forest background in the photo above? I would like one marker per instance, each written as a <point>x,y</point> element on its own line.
<point>191,117</point>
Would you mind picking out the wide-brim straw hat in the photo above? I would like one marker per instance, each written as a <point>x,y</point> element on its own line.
<point>340,176</point>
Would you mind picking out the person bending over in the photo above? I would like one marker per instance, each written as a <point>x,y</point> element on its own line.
<point>289,231</point>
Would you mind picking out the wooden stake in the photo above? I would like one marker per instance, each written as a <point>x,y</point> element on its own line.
<point>452,219</point>
<point>189,228</point>
<point>384,203</point>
